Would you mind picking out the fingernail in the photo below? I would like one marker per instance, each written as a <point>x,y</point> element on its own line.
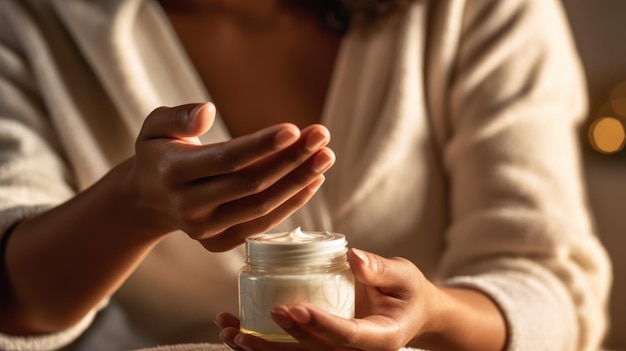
<point>196,110</point>
<point>317,183</point>
<point>224,337</point>
<point>281,319</point>
<point>361,256</point>
<point>300,314</point>
<point>285,138</point>
<point>238,338</point>
<point>323,160</point>
<point>316,139</point>
<point>241,342</point>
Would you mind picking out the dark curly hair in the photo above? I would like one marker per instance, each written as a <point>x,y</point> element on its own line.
<point>343,15</point>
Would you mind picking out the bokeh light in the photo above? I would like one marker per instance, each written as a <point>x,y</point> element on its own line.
<point>607,135</point>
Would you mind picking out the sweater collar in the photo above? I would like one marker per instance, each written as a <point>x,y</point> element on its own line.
<point>119,39</point>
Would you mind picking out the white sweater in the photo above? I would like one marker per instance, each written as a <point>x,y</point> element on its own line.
<point>454,130</point>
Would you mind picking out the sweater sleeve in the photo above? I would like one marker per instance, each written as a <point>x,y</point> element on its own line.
<point>45,342</point>
<point>33,174</point>
<point>521,231</point>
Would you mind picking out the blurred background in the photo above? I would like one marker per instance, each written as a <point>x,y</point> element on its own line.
<point>599,28</point>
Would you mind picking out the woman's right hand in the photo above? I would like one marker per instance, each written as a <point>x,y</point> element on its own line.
<point>219,194</point>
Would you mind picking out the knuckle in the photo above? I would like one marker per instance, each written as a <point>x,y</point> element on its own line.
<point>253,185</point>
<point>191,217</point>
<point>402,260</point>
<point>157,111</point>
<point>300,199</point>
<point>180,119</point>
<point>191,230</point>
<point>352,335</point>
<point>167,174</point>
<point>152,116</point>
<point>263,224</point>
<point>195,223</point>
<point>381,265</point>
<point>202,232</point>
<point>226,163</point>
<point>162,167</point>
<point>262,208</point>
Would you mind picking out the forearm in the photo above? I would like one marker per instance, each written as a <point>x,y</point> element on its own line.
<point>62,263</point>
<point>466,320</point>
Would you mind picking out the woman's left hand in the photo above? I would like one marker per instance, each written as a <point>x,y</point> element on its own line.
<point>394,304</point>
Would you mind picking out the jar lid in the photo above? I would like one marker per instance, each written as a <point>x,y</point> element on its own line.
<point>296,248</point>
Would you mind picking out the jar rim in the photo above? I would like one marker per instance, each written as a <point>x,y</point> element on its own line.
<point>301,248</point>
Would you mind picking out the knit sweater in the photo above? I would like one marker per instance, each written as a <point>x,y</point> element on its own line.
<point>454,128</point>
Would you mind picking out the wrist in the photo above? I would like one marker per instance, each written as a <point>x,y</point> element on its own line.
<point>439,307</point>
<point>124,201</point>
<point>463,319</point>
<point>65,261</point>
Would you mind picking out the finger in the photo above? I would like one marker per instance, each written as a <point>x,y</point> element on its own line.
<point>314,140</point>
<point>300,331</point>
<point>201,164</point>
<point>231,335</point>
<point>226,320</point>
<point>212,160</point>
<point>229,329</point>
<point>236,234</point>
<point>228,336</point>
<point>389,275</point>
<point>180,122</point>
<point>246,208</point>
<point>319,330</point>
<point>251,342</point>
<point>261,204</point>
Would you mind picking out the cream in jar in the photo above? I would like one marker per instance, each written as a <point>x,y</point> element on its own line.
<point>287,268</point>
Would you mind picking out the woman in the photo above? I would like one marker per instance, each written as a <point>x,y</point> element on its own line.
<point>453,126</point>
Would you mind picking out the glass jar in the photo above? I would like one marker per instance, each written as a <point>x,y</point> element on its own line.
<point>287,268</point>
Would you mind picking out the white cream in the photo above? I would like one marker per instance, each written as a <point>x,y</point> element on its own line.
<point>293,267</point>
<point>294,236</point>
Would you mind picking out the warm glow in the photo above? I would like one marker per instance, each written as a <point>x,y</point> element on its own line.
<point>607,135</point>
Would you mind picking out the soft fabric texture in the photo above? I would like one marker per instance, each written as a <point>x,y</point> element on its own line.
<point>207,347</point>
<point>189,347</point>
<point>455,134</point>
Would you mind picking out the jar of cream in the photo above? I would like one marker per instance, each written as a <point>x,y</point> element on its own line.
<point>287,268</point>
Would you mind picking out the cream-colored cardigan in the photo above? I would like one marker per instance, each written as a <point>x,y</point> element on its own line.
<point>455,135</point>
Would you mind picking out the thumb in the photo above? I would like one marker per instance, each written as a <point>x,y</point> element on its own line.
<point>180,122</point>
<point>392,276</point>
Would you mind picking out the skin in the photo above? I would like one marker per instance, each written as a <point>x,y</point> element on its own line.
<point>258,37</point>
<point>56,270</point>
<point>278,60</point>
<point>392,311</point>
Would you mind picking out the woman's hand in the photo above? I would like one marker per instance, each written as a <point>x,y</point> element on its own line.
<point>218,194</point>
<point>393,299</point>
<point>221,193</point>
<point>396,306</point>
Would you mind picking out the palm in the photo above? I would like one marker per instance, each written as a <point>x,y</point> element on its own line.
<point>389,313</point>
